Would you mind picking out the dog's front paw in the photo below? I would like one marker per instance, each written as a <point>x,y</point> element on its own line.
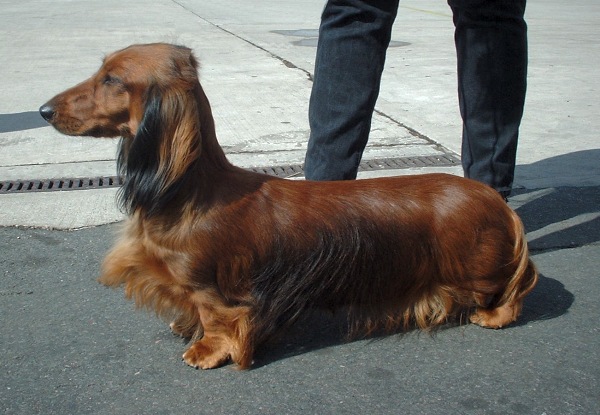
<point>206,354</point>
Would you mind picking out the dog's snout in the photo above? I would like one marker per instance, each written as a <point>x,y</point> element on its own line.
<point>47,112</point>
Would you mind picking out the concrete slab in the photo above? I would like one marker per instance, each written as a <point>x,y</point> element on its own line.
<point>73,209</point>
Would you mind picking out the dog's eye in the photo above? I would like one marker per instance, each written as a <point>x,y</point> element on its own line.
<point>112,80</point>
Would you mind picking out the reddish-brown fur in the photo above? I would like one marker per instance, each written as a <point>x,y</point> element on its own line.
<point>232,256</point>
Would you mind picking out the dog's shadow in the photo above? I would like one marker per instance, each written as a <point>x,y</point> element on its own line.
<point>317,330</point>
<point>320,330</point>
<point>548,300</point>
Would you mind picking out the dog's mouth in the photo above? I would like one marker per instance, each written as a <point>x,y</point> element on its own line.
<point>101,132</point>
<point>66,125</point>
<point>76,128</point>
<point>73,126</point>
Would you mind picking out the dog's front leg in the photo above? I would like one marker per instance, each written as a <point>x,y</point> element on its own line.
<point>118,266</point>
<point>227,333</point>
<point>187,326</point>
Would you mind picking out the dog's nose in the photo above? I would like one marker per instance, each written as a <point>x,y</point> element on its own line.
<point>47,111</point>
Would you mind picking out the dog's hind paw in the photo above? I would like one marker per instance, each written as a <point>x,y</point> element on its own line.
<point>495,318</point>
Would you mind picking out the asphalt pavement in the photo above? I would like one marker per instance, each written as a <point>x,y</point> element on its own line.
<point>71,346</point>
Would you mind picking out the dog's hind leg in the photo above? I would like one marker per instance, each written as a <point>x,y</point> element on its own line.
<point>508,307</point>
<point>226,334</point>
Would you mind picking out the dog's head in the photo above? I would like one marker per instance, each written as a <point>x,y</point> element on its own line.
<point>112,102</point>
<point>150,96</point>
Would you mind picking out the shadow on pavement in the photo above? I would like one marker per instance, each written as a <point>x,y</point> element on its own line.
<point>21,121</point>
<point>318,330</point>
<point>578,168</point>
<point>548,300</point>
<point>559,218</point>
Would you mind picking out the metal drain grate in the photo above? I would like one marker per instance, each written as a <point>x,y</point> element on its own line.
<point>291,170</point>
<point>55,185</point>
<point>295,170</point>
<point>438,160</point>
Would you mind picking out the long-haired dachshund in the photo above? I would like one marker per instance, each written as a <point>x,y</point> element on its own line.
<point>232,257</point>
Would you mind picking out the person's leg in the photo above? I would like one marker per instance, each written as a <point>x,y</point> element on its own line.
<point>353,38</point>
<point>491,47</point>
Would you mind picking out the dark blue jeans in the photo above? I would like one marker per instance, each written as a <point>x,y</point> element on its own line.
<point>491,46</point>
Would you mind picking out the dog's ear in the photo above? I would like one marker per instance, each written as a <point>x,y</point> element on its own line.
<point>162,151</point>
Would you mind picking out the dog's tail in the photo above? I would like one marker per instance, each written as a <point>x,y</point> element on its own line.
<point>507,306</point>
